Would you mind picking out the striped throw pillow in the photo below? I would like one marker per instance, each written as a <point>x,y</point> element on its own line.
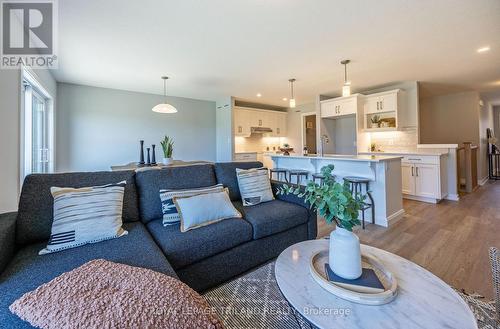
<point>254,185</point>
<point>85,215</point>
<point>170,213</point>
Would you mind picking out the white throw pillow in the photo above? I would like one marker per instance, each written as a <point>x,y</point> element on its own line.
<point>85,215</point>
<point>170,213</point>
<point>254,185</point>
<point>204,209</point>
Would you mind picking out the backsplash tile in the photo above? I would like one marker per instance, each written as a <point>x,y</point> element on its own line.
<point>395,141</point>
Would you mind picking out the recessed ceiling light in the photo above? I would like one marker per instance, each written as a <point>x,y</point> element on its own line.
<point>259,95</point>
<point>483,49</point>
<point>285,99</point>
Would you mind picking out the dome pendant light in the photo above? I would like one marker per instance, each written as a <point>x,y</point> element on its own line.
<point>346,89</point>
<point>292,99</point>
<point>164,107</point>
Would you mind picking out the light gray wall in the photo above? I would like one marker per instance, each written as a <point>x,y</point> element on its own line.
<point>10,131</point>
<point>224,132</point>
<point>99,127</point>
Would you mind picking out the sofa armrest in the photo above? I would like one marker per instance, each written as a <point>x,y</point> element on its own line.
<point>312,223</point>
<point>7,238</point>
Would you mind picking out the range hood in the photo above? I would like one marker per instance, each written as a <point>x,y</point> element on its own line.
<point>260,130</point>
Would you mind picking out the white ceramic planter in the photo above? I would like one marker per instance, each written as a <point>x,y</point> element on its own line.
<point>168,161</point>
<point>345,254</point>
<point>375,125</point>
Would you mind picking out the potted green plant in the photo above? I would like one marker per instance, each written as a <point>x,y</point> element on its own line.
<point>375,120</point>
<point>335,203</point>
<point>168,148</point>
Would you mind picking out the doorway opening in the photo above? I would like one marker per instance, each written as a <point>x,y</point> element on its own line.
<point>309,133</point>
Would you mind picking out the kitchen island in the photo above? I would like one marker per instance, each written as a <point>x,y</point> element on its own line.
<point>384,173</point>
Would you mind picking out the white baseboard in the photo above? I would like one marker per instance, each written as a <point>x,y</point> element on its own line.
<point>395,216</point>
<point>452,197</point>
<point>483,181</point>
<point>419,198</point>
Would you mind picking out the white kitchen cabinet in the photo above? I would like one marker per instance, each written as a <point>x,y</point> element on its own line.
<point>408,180</point>
<point>427,181</point>
<point>280,126</point>
<point>242,122</point>
<point>338,107</point>
<point>385,105</point>
<point>245,156</point>
<point>246,118</point>
<point>382,102</point>
<point>424,177</point>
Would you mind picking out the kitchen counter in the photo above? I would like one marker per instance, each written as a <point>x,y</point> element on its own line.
<point>405,153</point>
<point>341,157</point>
<point>383,172</point>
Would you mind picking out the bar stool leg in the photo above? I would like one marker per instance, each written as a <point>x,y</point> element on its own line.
<point>373,206</point>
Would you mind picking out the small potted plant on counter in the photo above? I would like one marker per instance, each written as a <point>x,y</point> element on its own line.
<point>286,149</point>
<point>168,147</point>
<point>375,121</point>
<point>335,203</point>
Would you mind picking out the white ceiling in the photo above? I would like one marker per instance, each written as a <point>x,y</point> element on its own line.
<point>244,47</point>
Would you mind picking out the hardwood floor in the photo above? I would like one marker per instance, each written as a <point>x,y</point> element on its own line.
<point>450,239</point>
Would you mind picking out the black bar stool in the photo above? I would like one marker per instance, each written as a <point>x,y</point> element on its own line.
<point>279,173</point>
<point>320,177</point>
<point>298,173</point>
<point>356,184</point>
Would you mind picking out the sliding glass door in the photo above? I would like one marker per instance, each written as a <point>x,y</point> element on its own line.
<point>38,128</point>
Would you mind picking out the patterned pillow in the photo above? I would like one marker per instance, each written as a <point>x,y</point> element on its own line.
<point>254,186</point>
<point>85,215</point>
<point>170,213</point>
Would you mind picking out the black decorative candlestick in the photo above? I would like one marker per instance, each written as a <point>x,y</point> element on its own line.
<point>153,155</point>
<point>148,162</point>
<point>141,161</point>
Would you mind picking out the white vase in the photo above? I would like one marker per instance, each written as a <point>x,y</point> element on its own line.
<point>345,254</point>
<point>375,125</point>
<point>168,161</point>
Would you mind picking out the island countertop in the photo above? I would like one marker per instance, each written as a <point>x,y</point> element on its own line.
<point>339,157</point>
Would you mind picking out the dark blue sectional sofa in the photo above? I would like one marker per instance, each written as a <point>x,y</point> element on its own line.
<point>202,258</point>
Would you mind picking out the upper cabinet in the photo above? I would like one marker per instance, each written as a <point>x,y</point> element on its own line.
<point>383,111</point>
<point>246,118</point>
<point>338,107</point>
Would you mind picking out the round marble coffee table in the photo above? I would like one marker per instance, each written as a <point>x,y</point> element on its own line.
<point>423,301</point>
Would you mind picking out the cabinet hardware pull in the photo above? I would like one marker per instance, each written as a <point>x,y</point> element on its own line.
<point>239,129</point>
<point>412,171</point>
<point>381,105</point>
<point>260,123</point>
<point>378,108</point>
<point>416,159</point>
<point>416,169</point>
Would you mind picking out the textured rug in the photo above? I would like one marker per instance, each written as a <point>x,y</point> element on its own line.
<point>254,301</point>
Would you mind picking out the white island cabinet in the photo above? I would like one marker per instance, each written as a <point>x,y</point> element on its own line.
<point>384,173</point>
<point>423,175</point>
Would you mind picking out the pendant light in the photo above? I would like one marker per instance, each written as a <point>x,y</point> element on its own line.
<point>292,98</point>
<point>346,89</point>
<point>164,107</point>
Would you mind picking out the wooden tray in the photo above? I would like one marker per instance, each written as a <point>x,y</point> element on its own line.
<point>317,270</point>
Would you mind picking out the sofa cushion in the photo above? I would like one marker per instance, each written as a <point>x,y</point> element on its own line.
<point>186,248</point>
<point>226,174</point>
<point>36,204</point>
<point>149,184</point>
<point>28,270</point>
<point>272,217</point>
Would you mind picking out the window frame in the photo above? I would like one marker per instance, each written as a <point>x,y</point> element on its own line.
<point>30,85</point>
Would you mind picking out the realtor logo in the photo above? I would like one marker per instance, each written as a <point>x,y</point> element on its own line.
<point>28,33</point>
